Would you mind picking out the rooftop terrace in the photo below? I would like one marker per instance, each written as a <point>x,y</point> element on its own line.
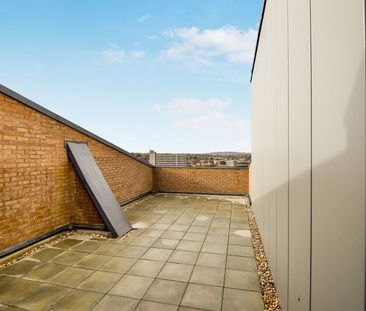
<point>187,252</point>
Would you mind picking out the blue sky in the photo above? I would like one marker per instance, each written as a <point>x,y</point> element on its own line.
<point>172,76</point>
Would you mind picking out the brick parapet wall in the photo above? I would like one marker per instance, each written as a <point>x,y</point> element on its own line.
<point>202,180</point>
<point>39,189</point>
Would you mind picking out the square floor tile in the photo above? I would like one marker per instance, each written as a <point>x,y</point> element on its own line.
<point>240,240</point>
<point>211,260</point>
<point>87,246</point>
<point>176,272</point>
<point>240,250</point>
<point>155,306</point>
<point>242,280</point>
<point>92,261</point>
<point>175,235</point>
<point>217,238</point>
<point>118,264</point>
<point>100,281</point>
<point>179,227</point>
<point>147,268</point>
<point>132,286</point>
<point>71,277</point>
<point>47,254</point>
<point>183,257</point>
<point>159,254</point>
<point>20,268</point>
<point>132,251</point>
<point>214,248</point>
<point>153,233</point>
<point>143,241</point>
<point>166,243</point>
<point>222,231</point>
<point>192,246</point>
<point>198,229</point>
<point>194,236</point>
<point>108,249</point>
<point>165,291</point>
<point>68,243</point>
<point>68,258</point>
<point>116,303</point>
<point>44,272</point>
<point>241,300</point>
<point>43,298</point>
<point>241,263</point>
<point>203,296</point>
<point>160,226</point>
<point>13,289</point>
<point>208,276</point>
<point>78,300</point>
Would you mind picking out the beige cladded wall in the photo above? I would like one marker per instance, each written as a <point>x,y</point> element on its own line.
<point>308,151</point>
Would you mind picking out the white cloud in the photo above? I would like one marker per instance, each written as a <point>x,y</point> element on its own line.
<point>157,107</point>
<point>114,54</point>
<point>151,37</point>
<point>143,18</point>
<point>193,105</point>
<point>203,46</point>
<point>137,54</point>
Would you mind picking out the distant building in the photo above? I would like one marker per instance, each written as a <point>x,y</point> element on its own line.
<point>168,159</point>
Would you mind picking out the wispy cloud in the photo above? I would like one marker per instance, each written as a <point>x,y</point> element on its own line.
<point>194,105</point>
<point>143,18</point>
<point>137,54</point>
<point>114,54</point>
<point>204,46</point>
<point>157,107</point>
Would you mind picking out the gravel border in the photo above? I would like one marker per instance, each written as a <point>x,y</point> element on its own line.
<point>268,288</point>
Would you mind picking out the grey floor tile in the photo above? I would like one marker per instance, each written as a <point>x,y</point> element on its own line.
<point>194,236</point>
<point>20,268</point>
<point>132,251</point>
<point>208,275</point>
<point>108,249</point>
<point>185,257</point>
<point>241,263</point>
<point>132,286</point>
<point>166,243</point>
<point>192,246</point>
<point>68,258</point>
<point>78,300</point>
<point>175,235</point>
<point>147,268</point>
<point>240,250</point>
<point>92,261</point>
<point>118,264</point>
<point>164,291</point>
<point>100,281</point>
<point>160,226</point>
<point>47,254</point>
<point>179,227</point>
<point>87,246</point>
<point>143,241</point>
<point>159,254</point>
<point>71,277</point>
<point>211,260</point>
<point>43,298</point>
<point>217,238</point>
<point>214,248</point>
<point>155,306</point>
<point>242,280</point>
<point>68,243</point>
<point>241,300</point>
<point>116,303</point>
<point>176,272</point>
<point>13,289</point>
<point>198,229</point>
<point>44,272</point>
<point>153,233</point>
<point>203,296</point>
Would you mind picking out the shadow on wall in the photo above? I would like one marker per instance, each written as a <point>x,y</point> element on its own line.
<point>331,239</point>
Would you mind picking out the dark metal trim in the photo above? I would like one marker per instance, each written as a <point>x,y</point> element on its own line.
<point>140,196</point>
<point>24,244</point>
<point>258,38</point>
<point>52,115</point>
<point>241,194</point>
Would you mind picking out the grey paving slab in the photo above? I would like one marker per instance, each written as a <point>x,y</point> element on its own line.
<point>143,241</point>
<point>68,243</point>
<point>71,277</point>
<point>166,243</point>
<point>43,298</point>
<point>198,229</point>
<point>44,272</point>
<point>92,261</point>
<point>208,275</point>
<point>68,258</point>
<point>175,235</point>
<point>241,263</point>
<point>116,303</point>
<point>185,257</point>
<point>118,264</point>
<point>176,272</point>
<point>159,254</point>
<point>192,246</point>
<point>100,281</point>
<point>147,268</point>
<point>241,300</point>
<point>47,254</point>
<point>20,268</point>
<point>194,236</point>
<point>155,306</point>
<point>211,260</point>
<point>214,248</point>
<point>203,296</point>
<point>131,251</point>
<point>240,250</point>
<point>87,246</point>
<point>153,233</point>
<point>164,291</point>
<point>78,300</point>
<point>13,289</point>
<point>217,238</point>
<point>132,286</point>
<point>242,280</point>
<point>108,249</point>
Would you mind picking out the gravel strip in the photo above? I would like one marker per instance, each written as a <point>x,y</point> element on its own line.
<point>268,288</point>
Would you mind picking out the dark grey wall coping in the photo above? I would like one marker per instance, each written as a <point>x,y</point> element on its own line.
<point>52,115</point>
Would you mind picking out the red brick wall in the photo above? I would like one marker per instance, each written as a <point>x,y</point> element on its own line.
<point>201,180</point>
<point>39,190</point>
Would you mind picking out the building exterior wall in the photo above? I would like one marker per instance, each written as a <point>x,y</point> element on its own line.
<point>308,151</point>
<point>40,190</point>
<point>201,180</point>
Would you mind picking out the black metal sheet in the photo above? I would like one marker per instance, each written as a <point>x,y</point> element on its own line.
<point>97,188</point>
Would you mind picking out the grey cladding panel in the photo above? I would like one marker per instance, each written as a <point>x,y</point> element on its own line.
<point>97,188</point>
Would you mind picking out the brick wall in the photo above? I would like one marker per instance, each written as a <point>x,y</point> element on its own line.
<point>201,180</point>
<point>39,189</point>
